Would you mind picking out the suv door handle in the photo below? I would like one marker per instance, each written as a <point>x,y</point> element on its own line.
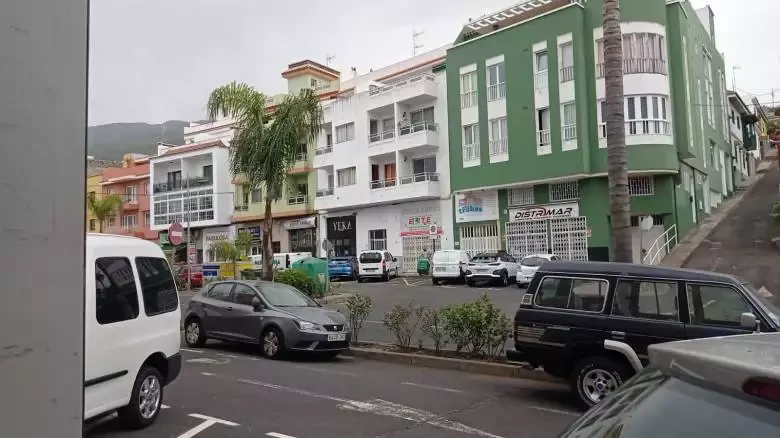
<point>230,308</point>
<point>618,335</point>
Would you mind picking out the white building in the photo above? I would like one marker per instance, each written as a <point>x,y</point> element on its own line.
<point>195,179</point>
<point>382,162</point>
<point>741,125</point>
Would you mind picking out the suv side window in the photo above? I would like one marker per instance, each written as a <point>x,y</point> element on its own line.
<point>714,304</point>
<point>243,295</point>
<point>584,294</point>
<point>646,299</point>
<point>116,294</point>
<point>157,285</point>
<point>220,291</point>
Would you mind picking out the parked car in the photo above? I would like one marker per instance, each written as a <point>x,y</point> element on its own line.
<point>276,316</point>
<point>725,387</point>
<point>492,267</point>
<point>343,268</point>
<point>528,266</point>
<point>377,264</point>
<point>196,277</point>
<point>131,335</point>
<point>592,322</point>
<point>449,265</point>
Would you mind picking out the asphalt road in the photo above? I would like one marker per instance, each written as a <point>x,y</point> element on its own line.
<point>742,243</point>
<point>227,392</point>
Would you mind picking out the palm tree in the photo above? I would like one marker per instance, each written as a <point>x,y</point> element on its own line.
<point>103,208</point>
<point>264,143</point>
<point>233,251</point>
<point>617,154</point>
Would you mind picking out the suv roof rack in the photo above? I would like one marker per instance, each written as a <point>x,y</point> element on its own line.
<point>631,269</point>
<point>746,363</point>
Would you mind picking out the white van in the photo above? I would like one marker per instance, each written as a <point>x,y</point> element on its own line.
<point>450,265</point>
<point>377,264</point>
<point>131,329</point>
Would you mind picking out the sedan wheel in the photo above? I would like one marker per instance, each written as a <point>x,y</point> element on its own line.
<point>273,345</point>
<point>193,333</point>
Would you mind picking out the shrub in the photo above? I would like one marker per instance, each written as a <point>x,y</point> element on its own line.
<point>403,322</point>
<point>433,327</point>
<point>480,327</point>
<point>776,210</point>
<point>299,280</point>
<point>358,309</point>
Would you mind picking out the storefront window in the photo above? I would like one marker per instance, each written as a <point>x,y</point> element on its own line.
<point>302,240</point>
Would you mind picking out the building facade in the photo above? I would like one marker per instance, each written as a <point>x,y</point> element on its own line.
<point>131,183</point>
<point>528,158</point>
<point>743,139</point>
<point>382,162</point>
<point>191,184</point>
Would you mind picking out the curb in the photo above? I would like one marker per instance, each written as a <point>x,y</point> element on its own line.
<point>334,299</point>
<point>446,363</point>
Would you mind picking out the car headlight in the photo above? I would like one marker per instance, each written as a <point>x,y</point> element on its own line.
<point>307,326</point>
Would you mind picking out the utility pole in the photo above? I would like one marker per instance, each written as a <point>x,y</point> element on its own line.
<point>415,45</point>
<point>189,237</point>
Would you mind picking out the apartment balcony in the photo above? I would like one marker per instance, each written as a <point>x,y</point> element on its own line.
<point>191,183</point>
<point>749,140</point>
<point>412,91</point>
<point>297,199</point>
<point>418,135</point>
<point>636,66</point>
<point>131,205</point>
<point>322,193</point>
<point>323,157</point>
<point>406,188</point>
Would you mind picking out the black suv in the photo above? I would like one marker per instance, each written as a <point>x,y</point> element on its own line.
<point>591,322</point>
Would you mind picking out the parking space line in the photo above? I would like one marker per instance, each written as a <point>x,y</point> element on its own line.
<point>189,350</point>
<point>207,422</point>
<point>164,407</point>
<point>374,322</point>
<point>554,411</point>
<point>436,388</point>
<point>278,435</point>
<point>321,370</point>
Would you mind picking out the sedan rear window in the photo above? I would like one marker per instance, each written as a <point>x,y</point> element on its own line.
<point>533,261</point>
<point>485,258</point>
<point>371,257</point>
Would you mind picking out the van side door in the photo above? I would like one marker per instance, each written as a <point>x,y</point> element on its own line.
<point>715,309</point>
<point>645,311</point>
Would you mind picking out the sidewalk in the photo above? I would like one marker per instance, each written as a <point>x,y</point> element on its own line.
<point>681,253</point>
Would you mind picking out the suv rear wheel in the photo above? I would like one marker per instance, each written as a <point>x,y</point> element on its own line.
<point>595,377</point>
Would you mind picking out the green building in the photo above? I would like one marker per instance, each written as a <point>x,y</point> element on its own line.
<point>528,157</point>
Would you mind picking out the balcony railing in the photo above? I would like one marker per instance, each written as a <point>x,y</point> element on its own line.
<point>635,66</point>
<point>567,73</point>
<point>468,99</point>
<point>417,127</point>
<point>323,150</point>
<point>471,152</point>
<point>301,156</point>
<point>496,91</point>
<point>382,183</point>
<point>375,91</point>
<point>325,192</point>
<point>543,137</point>
<point>420,177</point>
<point>540,80</point>
<point>648,127</point>
<point>130,204</point>
<point>242,207</point>
<point>198,181</point>
<point>499,146</point>
<point>569,132</point>
<point>381,136</point>
<point>296,199</point>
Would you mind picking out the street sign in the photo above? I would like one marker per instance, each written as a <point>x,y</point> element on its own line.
<point>176,234</point>
<point>433,231</point>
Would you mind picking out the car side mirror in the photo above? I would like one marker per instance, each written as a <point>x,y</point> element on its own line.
<point>748,320</point>
<point>257,304</point>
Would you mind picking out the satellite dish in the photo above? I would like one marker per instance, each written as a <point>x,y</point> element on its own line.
<point>646,223</point>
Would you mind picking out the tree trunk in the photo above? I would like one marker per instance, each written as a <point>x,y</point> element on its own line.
<point>100,227</point>
<point>617,154</point>
<point>235,270</point>
<point>268,252</point>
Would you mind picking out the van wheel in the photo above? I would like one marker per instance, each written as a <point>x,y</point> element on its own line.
<point>145,400</point>
<point>434,281</point>
<point>470,283</point>
<point>194,335</point>
<point>273,344</point>
<point>594,378</point>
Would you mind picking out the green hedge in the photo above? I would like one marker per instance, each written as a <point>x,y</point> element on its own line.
<point>299,280</point>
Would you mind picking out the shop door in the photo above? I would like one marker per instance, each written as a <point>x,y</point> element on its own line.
<point>569,238</point>
<point>565,237</point>
<point>527,237</point>
<point>475,239</point>
<point>411,248</point>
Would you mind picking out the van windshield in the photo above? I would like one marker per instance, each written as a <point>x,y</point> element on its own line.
<point>371,257</point>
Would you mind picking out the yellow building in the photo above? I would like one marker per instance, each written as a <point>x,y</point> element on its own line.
<point>93,189</point>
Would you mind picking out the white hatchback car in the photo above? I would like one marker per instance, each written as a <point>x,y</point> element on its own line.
<point>529,265</point>
<point>500,266</point>
<point>377,264</point>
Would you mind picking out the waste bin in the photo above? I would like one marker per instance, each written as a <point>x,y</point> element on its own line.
<point>423,265</point>
<point>317,270</point>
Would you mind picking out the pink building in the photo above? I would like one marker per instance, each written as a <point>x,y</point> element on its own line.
<point>131,182</point>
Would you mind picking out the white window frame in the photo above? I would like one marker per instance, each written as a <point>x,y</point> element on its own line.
<point>520,196</point>
<point>377,239</point>
<point>641,185</point>
<point>468,89</point>
<point>541,72</point>
<point>471,150</point>
<point>497,90</point>
<point>346,177</point>
<point>499,136</point>
<point>543,129</point>
<point>641,118</point>
<point>569,127</point>
<point>129,222</point>
<point>131,194</point>
<point>564,191</point>
<point>566,71</point>
<point>345,132</point>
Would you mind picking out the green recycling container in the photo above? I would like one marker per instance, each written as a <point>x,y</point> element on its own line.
<point>423,265</point>
<point>317,270</point>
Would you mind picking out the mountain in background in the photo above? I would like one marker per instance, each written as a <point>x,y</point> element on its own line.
<point>112,141</point>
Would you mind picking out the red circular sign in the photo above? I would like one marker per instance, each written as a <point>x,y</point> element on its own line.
<point>176,233</point>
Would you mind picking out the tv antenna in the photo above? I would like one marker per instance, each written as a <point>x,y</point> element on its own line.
<point>415,45</point>
<point>329,59</point>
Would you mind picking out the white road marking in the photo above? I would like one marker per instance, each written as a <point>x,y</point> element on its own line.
<point>377,407</point>
<point>321,370</point>
<point>208,360</point>
<point>555,411</point>
<point>208,374</point>
<point>407,283</point>
<point>437,388</point>
<point>207,422</point>
<point>188,350</point>
<point>278,435</point>
<point>236,356</point>
<point>374,322</point>
<point>164,407</point>
<point>447,286</point>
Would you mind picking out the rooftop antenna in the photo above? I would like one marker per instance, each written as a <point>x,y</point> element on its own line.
<point>415,45</point>
<point>329,59</point>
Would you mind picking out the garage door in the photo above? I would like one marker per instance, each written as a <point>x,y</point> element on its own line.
<point>411,248</point>
<point>475,239</point>
<point>564,237</point>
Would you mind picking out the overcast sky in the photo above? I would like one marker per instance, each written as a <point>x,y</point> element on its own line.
<point>157,60</point>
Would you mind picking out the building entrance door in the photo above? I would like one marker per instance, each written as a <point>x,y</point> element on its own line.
<point>475,239</point>
<point>411,248</point>
<point>564,237</point>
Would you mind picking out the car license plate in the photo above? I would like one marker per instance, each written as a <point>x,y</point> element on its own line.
<point>337,337</point>
<point>441,269</point>
<point>482,270</point>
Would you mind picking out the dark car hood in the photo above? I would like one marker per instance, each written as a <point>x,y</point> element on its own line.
<point>319,315</point>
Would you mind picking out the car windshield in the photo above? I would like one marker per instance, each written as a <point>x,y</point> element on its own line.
<point>282,295</point>
<point>340,260</point>
<point>533,261</point>
<point>485,258</point>
<point>650,406</point>
<point>770,308</point>
<point>371,257</point>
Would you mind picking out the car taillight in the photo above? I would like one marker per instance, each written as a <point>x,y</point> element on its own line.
<point>763,388</point>
<point>384,265</point>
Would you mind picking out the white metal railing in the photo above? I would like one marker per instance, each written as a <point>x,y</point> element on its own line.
<point>569,132</point>
<point>496,91</point>
<point>635,66</point>
<point>323,150</point>
<point>543,137</point>
<point>566,73</point>
<point>382,183</point>
<point>499,146</point>
<point>381,136</point>
<point>661,246</point>
<point>648,127</point>
<point>468,99</point>
<point>376,91</point>
<point>324,192</point>
<point>322,86</point>
<point>296,199</point>
<point>301,156</point>
<point>471,152</point>
<point>420,177</point>
<point>417,127</point>
<point>540,80</point>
